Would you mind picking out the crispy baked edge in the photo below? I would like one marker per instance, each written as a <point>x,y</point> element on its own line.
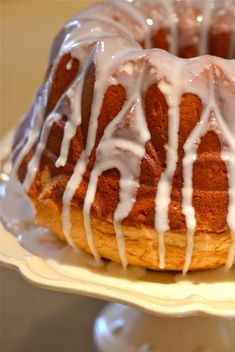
<point>210,249</point>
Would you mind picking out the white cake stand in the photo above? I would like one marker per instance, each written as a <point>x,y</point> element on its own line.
<point>156,298</point>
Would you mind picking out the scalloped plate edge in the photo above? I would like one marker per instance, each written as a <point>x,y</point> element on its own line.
<point>193,305</point>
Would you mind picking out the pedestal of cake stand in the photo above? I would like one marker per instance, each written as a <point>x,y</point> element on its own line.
<point>123,329</point>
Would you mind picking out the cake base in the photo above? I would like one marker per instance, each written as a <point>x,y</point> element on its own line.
<point>210,249</point>
<point>51,264</point>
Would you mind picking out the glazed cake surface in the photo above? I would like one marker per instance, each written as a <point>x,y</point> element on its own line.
<point>128,151</point>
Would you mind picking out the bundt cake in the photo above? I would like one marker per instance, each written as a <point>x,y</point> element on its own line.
<point>128,150</point>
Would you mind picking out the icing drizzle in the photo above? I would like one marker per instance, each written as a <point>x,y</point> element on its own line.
<point>90,38</point>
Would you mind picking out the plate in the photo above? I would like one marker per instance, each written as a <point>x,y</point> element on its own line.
<point>46,262</point>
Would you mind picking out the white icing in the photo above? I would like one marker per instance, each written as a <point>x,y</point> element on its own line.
<point>34,163</point>
<point>90,14</point>
<point>75,98</point>
<point>103,52</point>
<point>31,133</point>
<point>190,150</point>
<point>171,88</point>
<point>69,64</point>
<point>172,23</point>
<point>211,119</point>
<point>133,12</point>
<point>113,152</point>
<point>98,38</point>
<point>208,7</point>
<point>37,115</point>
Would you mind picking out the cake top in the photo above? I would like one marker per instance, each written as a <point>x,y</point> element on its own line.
<point>171,25</point>
<point>115,39</point>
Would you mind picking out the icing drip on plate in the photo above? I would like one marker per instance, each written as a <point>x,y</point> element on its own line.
<point>97,38</point>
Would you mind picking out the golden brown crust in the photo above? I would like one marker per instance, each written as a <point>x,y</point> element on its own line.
<point>210,249</point>
<point>210,197</point>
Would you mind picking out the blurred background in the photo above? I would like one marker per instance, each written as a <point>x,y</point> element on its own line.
<point>27,31</point>
<point>33,319</point>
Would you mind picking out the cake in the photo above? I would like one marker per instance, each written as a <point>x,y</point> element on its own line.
<point>128,150</point>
